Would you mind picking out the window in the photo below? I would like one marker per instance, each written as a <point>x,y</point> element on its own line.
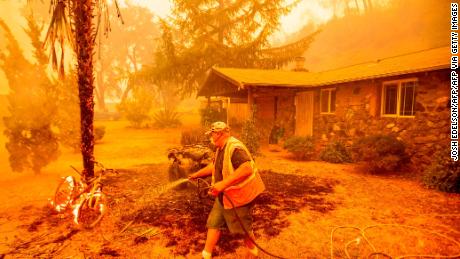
<point>327,101</point>
<point>398,98</point>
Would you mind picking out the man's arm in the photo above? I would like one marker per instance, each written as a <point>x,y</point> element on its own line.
<point>203,172</point>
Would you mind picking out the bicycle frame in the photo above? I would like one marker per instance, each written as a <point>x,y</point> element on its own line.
<point>81,195</point>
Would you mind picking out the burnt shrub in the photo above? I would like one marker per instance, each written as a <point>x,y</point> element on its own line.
<point>381,153</point>
<point>193,136</point>
<point>443,173</point>
<point>335,152</point>
<point>301,147</point>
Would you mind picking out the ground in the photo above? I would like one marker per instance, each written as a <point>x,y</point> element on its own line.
<point>310,210</point>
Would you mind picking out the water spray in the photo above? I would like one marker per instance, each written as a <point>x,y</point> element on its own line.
<point>166,187</point>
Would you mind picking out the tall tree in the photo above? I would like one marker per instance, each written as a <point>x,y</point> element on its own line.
<point>123,52</point>
<point>32,104</point>
<point>76,22</point>
<point>219,32</point>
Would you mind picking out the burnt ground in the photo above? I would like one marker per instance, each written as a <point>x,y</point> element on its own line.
<point>303,226</point>
<point>306,212</point>
<point>182,215</point>
<point>140,202</point>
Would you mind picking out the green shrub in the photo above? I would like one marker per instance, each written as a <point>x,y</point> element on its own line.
<point>166,119</point>
<point>250,135</point>
<point>137,108</point>
<point>301,147</point>
<point>99,132</point>
<point>30,148</point>
<point>382,153</point>
<point>335,152</point>
<point>193,136</point>
<point>212,114</point>
<point>276,134</point>
<point>67,121</point>
<point>443,173</point>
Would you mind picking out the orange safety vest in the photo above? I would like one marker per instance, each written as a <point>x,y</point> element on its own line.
<point>245,191</point>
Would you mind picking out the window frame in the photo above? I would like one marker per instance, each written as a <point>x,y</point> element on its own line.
<point>399,84</point>
<point>328,90</point>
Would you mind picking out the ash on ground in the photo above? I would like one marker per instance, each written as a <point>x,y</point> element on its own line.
<point>182,215</point>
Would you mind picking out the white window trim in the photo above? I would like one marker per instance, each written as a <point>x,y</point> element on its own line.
<point>329,100</point>
<point>398,97</point>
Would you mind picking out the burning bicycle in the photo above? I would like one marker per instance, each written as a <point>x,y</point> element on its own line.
<point>84,198</point>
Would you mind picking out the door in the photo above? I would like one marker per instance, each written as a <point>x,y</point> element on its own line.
<point>265,116</point>
<point>304,114</point>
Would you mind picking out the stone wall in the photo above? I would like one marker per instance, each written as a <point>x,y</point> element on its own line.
<point>358,114</point>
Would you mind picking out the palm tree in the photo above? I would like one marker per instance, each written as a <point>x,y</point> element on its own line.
<point>72,23</point>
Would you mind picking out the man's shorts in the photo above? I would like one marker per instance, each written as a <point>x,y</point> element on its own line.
<point>219,217</point>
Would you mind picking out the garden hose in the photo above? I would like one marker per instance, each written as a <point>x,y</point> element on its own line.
<point>241,222</point>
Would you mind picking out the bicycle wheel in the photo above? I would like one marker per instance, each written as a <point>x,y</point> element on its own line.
<point>92,210</point>
<point>65,193</point>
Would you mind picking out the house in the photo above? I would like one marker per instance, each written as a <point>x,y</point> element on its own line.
<point>405,95</point>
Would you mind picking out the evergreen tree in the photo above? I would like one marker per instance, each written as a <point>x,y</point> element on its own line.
<point>67,119</point>
<point>230,33</point>
<point>31,142</point>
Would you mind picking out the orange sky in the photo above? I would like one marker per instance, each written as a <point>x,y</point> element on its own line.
<point>9,12</point>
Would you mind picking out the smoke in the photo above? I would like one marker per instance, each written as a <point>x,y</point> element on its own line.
<point>398,28</point>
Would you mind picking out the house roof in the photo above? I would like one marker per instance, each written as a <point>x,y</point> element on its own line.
<point>420,61</point>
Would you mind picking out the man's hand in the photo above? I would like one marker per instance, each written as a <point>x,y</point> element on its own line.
<point>217,188</point>
<point>192,176</point>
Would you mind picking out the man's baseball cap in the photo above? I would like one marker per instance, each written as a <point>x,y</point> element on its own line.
<point>217,126</point>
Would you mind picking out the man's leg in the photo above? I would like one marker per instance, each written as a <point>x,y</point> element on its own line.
<point>245,216</point>
<point>215,222</point>
<point>211,240</point>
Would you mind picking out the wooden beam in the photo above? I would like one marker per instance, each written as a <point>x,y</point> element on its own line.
<point>250,101</point>
<point>228,111</point>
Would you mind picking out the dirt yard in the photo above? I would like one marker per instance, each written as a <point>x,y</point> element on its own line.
<point>310,210</point>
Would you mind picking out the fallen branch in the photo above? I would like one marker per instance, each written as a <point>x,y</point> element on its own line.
<point>26,244</point>
<point>63,237</point>
<point>145,232</point>
<point>126,227</point>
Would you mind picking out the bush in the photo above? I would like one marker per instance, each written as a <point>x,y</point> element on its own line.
<point>193,136</point>
<point>166,119</point>
<point>99,132</point>
<point>212,114</point>
<point>30,148</point>
<point>67,121</point>
<point>276,134</point>
<point>301,147</point>
<point>443,173</point>
<point>250,134</point>
<point>335,152</point>
<point>137,109</point>
<point>382,153</point>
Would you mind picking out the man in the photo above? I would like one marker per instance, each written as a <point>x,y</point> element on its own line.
<point>235,175</point>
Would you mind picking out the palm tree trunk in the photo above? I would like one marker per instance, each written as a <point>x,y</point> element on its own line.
<point>85,49</point>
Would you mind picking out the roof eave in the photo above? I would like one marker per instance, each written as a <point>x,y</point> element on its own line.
<point>398,73</point>
<point>238,84</point>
